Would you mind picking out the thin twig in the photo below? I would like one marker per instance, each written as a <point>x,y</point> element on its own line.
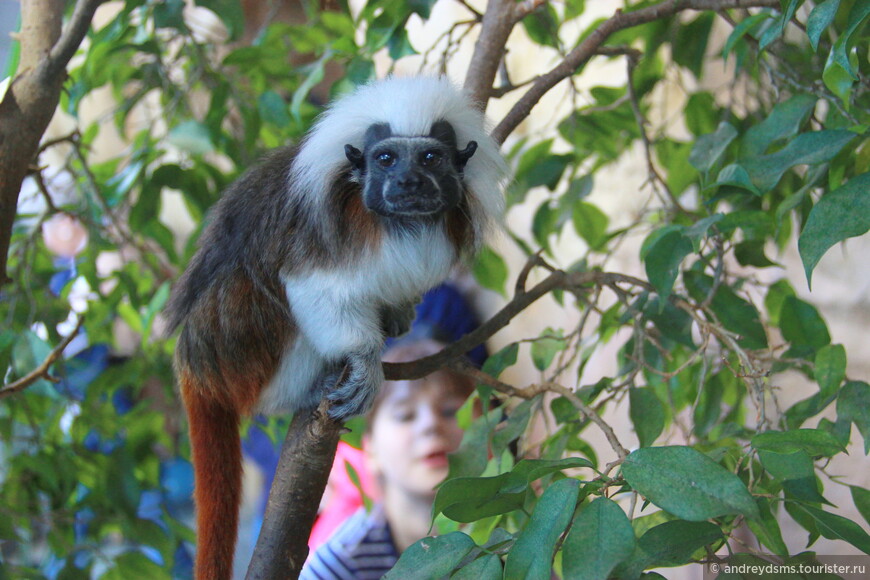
<point>558,279</point>
<point>72,36</point>
<point>41,372</point>
<point>463,366</point>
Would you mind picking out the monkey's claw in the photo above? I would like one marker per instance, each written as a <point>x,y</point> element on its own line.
<point>356,392</point>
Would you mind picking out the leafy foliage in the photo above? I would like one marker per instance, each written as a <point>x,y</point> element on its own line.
<point>95,475</point>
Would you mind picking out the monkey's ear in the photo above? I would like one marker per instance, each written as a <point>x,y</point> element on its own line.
<point>463,156</point>
<point>355,156</point>
<point>443,131</point>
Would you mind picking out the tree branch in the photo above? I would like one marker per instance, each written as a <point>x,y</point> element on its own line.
<point>498,21</point>
<point>559,279</point>
<point>303,470</point>
<point>463,366</point>
<point>591,45</point>
<point>32,97</point>
<point>72,36</point>
<point>41,372</point>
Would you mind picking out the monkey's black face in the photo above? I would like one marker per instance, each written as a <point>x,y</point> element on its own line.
<point>411,177</point>
<point>408,177</point>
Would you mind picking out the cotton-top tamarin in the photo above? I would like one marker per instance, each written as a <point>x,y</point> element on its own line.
<point>311,259</point>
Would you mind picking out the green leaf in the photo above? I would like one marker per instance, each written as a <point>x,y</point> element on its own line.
<point>674,323</point>
<point>821,16</point>
<point>516,425</point>
<point>498,362</point>
<point>542,26</point>
<point>316,71</point>
<point>756,225</point>
<point>432,557</point>
<point>134,564</point>
<point>734,176</point>
<point>751,253</point>
<point>490,270</point>
<point>783,122</point>
<point>487,567</point>
<point>735,313</point>
<point>830,368</point>
<point>590,223</point>
<point>28,352</point>
<point>853,405</point>
<point>647,414</point>
<point>836,527</point>
<point>766,528</point>
<point>698,231</point>
<point>784,466</point>
<point>837,77</point>
<point>701,113</point>
<point>546,347</point>
<point>674,155</point>
<point>709,148</point>
<point>776,295</point>
<point>772,32</point>
<point>812,441</point>
<point>709,407</point>
<point>538,167</point>
<point>191,136</point>
<point>468,499</point>
<point>131,316</point>
<point>839,214</point>
<point>230,12</point>
<point>802,325</point>
<point>840,69</point>
<point>273,109</point>
<point>473,453</point>
<point>687,483</point>
<point>532,554</point>
<point>690,43</point>
<point>155,305</point>
<point>600,539</point>
<point>805,149</point>
<point>672,543</point>
<point>544,224</point>
<point>663,259</point>
<point>861,499</point>
<point>744,27</point>
<point>399,45</point>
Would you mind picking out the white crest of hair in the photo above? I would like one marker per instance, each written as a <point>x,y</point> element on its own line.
<point>410,105</point>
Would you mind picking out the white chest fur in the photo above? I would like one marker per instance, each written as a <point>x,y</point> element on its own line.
<point>338,311</point>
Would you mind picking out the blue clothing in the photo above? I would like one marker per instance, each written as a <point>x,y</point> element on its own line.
<point>360,549</point>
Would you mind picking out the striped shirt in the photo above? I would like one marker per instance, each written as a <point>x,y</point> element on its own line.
<point>360,549</point>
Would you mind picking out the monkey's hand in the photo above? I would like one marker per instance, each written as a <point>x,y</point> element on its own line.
<point>358,385</point>
<point>396,320</point>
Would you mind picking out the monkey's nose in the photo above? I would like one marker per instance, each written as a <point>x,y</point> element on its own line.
<point>410,182</point>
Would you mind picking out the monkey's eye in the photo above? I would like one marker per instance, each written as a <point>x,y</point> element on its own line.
<point>386,159</point>
<point>431,158</point>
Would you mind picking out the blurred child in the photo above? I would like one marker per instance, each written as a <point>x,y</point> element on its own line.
<point>410,430</point>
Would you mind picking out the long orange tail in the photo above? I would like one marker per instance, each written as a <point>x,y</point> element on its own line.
<point>217,465</point>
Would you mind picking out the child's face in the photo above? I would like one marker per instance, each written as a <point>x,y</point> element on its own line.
<point>411,434</point>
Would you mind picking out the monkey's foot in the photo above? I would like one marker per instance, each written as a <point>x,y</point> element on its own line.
<point>356,392</point>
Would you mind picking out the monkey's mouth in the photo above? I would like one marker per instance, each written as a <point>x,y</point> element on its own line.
<point>413,206</point>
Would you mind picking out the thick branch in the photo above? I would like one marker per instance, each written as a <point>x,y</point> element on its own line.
<point>41,372</point>
<point>591,45</point>
<point>498,21</point>
<point>303,470</point>
<point>32,97</point>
